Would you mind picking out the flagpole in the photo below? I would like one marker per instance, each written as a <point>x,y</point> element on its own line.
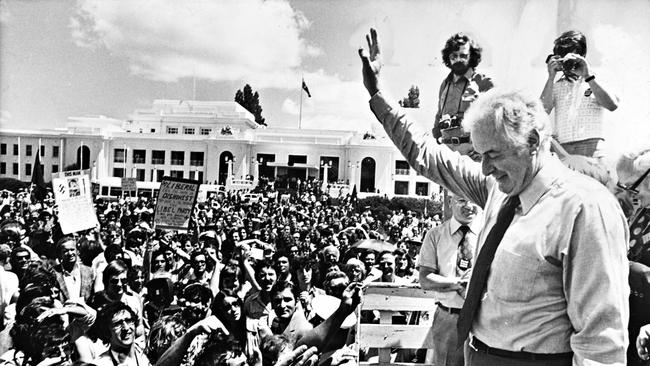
<point>81,155</point>
<point>302,81</point>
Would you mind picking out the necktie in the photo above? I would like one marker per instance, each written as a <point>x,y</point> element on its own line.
<point>482,266</point>
<point>464,256</point>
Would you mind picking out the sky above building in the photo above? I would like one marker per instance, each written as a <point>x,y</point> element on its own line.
<point>62,58</point>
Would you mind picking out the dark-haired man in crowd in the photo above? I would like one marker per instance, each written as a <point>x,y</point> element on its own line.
<point>458,90</point>
<point>578,97</point>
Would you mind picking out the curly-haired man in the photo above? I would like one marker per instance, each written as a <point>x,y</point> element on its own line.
<point>458,90</point>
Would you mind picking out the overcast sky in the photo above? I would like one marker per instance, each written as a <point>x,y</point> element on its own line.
<point>61,58</point>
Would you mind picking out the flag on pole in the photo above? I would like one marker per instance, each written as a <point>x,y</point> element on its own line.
<point>40,189</point>
<point>305,88</point>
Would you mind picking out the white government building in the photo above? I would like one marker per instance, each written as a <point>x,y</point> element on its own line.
<point>214,142</point>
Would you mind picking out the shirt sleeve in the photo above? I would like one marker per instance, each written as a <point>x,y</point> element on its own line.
<point>449,169</point>
<point>428,254</point>
<point>596,283</point>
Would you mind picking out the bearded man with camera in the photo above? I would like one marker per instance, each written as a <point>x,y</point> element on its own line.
<point>459,89</point>
<point>578,97</point>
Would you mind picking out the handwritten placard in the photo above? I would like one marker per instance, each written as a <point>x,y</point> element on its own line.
<point>175,202</point>
<point>73,195</point>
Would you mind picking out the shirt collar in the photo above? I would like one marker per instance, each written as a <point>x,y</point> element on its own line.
<point>73,272</point>
<point>474,226</point>
<point>541,183</point>
<point>469,74</point>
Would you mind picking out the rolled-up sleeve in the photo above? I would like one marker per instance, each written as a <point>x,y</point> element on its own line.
<point>596,283</point>
<point>456,172</point>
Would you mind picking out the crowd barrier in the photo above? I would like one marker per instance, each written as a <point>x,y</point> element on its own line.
<point>388,298</point>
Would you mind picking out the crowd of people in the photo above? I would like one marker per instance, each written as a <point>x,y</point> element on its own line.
<point>239,284</point>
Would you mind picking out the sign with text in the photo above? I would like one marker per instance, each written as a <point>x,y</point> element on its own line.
<point>175,203</point>
<point>129,185</point>
<point>73,195</point>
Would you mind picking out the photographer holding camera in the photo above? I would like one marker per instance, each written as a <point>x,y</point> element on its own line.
<point>578,97</point>
<point>460,88</point>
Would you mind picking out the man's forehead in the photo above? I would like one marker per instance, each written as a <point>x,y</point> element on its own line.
<point>462,49</point>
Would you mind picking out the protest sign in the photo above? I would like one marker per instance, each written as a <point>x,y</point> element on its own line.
<point>73,195</point>
<point>129,185</point>
<point>175,203</point>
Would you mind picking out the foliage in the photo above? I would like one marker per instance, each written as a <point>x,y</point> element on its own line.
<point>381,207</point>
<point>413,98</point>
<point>250,101</point>
<point>12,184</point>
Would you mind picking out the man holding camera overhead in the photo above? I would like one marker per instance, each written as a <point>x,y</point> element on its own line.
<point>578,97</point>
<point>460,88</point>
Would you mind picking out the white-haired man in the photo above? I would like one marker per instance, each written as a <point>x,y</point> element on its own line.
<point>633,190</point>
<point>549,285</point>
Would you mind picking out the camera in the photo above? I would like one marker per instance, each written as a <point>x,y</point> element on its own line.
<point>450,121</point>
<point>569,65</point>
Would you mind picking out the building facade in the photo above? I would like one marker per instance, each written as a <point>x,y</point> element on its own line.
<point>210,141</point>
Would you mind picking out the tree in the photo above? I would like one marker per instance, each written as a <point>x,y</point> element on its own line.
<point>250,101</point>
<point>413,98</point>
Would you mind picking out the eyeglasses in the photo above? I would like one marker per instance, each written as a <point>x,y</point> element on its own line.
<point>122,323</point>
<point>632,187</point>
<point>117,281</point>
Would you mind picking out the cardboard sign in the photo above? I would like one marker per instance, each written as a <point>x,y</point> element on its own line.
<point>175,203</point>
<point>129,185</point>
<point>73,195</point>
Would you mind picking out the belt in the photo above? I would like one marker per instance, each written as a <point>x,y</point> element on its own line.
<point>449,310</point>
<point>479,346</point>
<point>454,140</point>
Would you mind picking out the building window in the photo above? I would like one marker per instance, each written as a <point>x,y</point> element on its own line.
<point>139,156</point>
<point>42,150</point>
<point>28,169</point>
<point>159,175</point>
<point>139,175</point>
<point>205,131</point>
<point>16,150</point>
<point>332,171</point>
<point>177,174</point>
<point>153,130</point>
<point>3,168</point>
<point>118,172</point>
<point>157,157</point>
<point>401,187</point>
<point>119,155</point>
<point>297,159</point>
<point>172,130</point>
<point>14,169</point>
<point>401,167</point>
<point>422,188</point>
<point>188,130</point>
<point>116,191</point>
<point>28,150</point>
<point>55,151</point>
<point>3,149</point>
<point>178,157</point>
<point>196,158</point>
<point>55,168</point>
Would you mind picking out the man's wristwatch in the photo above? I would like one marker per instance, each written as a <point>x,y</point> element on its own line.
<point>590,78</point>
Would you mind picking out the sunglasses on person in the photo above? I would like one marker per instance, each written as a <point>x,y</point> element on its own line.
<point>117,281</point>
<point>632,188</point>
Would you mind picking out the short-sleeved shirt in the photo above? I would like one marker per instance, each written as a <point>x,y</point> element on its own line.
<point>578,115</point>
<point>439,253</point>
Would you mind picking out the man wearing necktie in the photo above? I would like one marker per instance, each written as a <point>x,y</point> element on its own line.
<point>549,284</point>
<point>445,264</point>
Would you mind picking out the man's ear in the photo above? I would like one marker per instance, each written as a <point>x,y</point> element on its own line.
<point>533,142</point>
